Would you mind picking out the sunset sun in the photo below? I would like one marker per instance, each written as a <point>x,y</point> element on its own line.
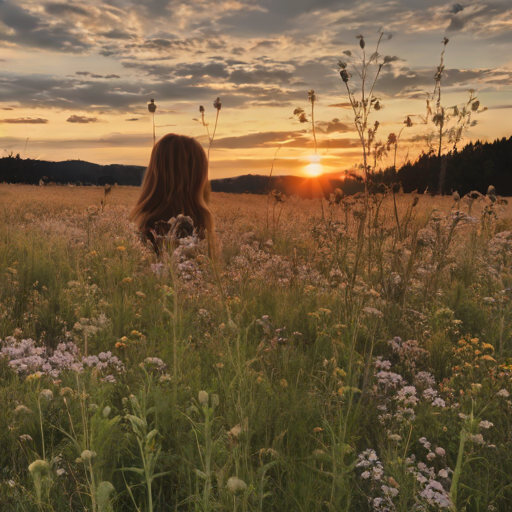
<point>315,167</point>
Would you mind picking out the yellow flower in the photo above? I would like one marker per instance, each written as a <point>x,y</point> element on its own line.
<point>316,430</point>
<point>120,344</point>
<point>283,383</point>
<point>487,357</point>
<point>141,295</point>
<point>127,280</point>
<point>477,352</point>
<point>488,346</point>
<point>121,248</point>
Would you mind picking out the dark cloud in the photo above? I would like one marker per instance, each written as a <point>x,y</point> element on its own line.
<point>24,120</point>
<point>456,8</point>
<point>32,31</point>
<point>293,139</point>
<point>334,126</point>
<point>81,119</point>
<point>117,34</point>
<point>7,108</point>
<point>132,119</point>
<point>58,9</point>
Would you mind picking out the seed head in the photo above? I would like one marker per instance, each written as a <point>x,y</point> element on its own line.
<point>344,75</point>
<point>236,485</point>
<point>203,398</point>
<point>87,455</point>
<point>201,109</point>
<point>39,467</point>
<point>217,104</point>
<point>151,106</point>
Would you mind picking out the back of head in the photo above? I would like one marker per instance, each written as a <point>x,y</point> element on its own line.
<point>174,183</point>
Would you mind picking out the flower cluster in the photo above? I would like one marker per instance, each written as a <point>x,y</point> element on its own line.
<point>26,358</point>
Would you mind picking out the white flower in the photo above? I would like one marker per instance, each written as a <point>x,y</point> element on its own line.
<point>236,485</point>
<point>485,424</point>
<point>440,451</point>
<point>439,402</point>
<point>46,393</point>
<point>503,393</point>
<point>203,398</point>
<point>87,455</point>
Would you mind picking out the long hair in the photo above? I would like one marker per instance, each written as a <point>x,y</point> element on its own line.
<point>176,181</point>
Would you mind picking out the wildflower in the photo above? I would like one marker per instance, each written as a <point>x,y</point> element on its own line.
<point>316,430</point>
<point>103,492</point>
<point>373,312</point>
<point>441,452</point>
<point>47,394</point>
<point>439,402</point>
<point>236,485</point>
<point>365,475</point>
<point>503,393</point>
<point>487,357</point>
<point>283,383</point>
<point>66,392</point>
<point>141,295</point>
<point>61,472</point>
<point>121,248</point>
<point>40,467</point>
<point>485,424</point>
<point>443,473</point>
<point>235,431</point>
<point>25,438</point>
<point>217,104</point>
<point>477,438</point>
<point>87,455</point>
<point>120,344</point>
<point>127,280</point>
<point>203,398</point>
<point>22,409</point>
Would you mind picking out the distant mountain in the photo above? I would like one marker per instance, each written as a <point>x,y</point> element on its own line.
<point>17,170</point>
<point>476,166</point>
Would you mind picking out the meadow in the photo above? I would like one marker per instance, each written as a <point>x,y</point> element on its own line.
<point>337,355</point>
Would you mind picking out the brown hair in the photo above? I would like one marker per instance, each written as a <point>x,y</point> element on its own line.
<point>176,181</point>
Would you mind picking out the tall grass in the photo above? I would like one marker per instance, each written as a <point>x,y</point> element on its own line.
<point>263,384</point>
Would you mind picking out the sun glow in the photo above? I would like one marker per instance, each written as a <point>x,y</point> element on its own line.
<point>315,168</point>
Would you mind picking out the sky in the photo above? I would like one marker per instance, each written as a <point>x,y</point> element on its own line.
<point>75,77</point>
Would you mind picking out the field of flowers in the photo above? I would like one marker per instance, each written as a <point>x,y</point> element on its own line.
<point>337,356</point>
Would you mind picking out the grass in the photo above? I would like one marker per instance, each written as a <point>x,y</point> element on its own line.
<point>309,372</point>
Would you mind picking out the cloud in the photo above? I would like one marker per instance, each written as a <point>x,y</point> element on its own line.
<point>132,119</point>
<point>7,108</point>
<point>81,119</point>
<point>117,33</point>
<point>24,120</point>
<point>25,28</point>
<point>60,8</point>
<point>334,126</point>
<point>293,139</point>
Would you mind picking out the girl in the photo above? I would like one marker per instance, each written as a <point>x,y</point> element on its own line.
<point>175,183</point>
